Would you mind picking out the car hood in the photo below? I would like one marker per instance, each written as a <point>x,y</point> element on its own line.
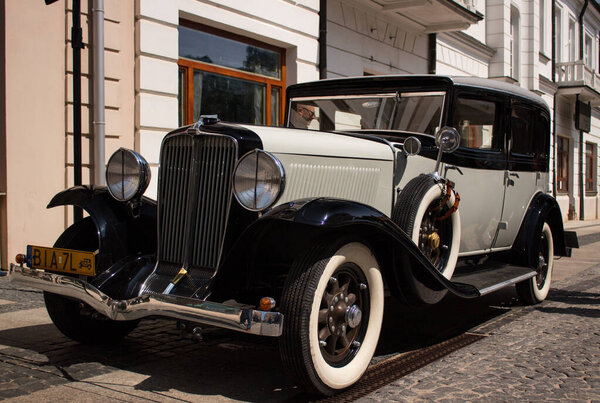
<point>279,140</point>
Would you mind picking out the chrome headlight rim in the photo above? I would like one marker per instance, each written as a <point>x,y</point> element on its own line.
<point>144,174</point>
<point>282,180</point>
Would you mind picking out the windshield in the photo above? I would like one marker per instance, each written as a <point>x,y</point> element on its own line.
<point>417,112</point>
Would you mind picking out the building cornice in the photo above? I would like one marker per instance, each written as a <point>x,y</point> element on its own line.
<point>462,40</point>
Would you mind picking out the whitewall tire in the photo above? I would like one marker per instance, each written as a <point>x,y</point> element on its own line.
<point>535,290</point>
<point>333,310</point>
<point>417,213</point>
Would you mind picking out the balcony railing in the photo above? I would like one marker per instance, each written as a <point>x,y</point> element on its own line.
<point>577,74</point>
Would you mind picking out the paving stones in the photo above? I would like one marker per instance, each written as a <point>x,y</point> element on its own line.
<point>547,352</point>
<point>550,352</point>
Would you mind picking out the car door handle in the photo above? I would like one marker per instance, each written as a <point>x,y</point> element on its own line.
<point>514,174</point>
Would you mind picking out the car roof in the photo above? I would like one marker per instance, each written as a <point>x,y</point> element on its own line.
<point>426,80</point>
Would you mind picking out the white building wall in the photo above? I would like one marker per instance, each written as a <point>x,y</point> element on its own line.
<point>456,59</point>
<point>497,20</point>
<point>293,26</point>
<point>360,41</point>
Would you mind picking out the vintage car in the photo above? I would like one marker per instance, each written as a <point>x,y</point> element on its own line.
<point>409,186</point>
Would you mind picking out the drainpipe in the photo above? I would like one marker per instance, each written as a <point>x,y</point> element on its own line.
<point>554,140</point>
<point>432,54</point>
<point>98,86</point>
<point>581,171</point>
<point>322,39</point>
<point>77,45</point>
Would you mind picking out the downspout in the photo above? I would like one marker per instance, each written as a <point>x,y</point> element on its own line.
<point>581,171</point>
<point>77,45</point>
<point>432,54</point>
<point>98,86</point>
<point>554,140</point>
<point>322,39</point>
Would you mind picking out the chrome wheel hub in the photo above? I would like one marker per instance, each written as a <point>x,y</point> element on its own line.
<point>340,328</point>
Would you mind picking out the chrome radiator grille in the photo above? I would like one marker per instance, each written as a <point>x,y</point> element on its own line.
<point>194,194</point>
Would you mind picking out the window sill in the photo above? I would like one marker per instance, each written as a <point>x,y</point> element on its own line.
<point>591,194</point>
<point>544,58</point>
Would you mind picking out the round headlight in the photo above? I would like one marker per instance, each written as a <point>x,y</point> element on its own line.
<point>258,180</point>
<point>127,175</point>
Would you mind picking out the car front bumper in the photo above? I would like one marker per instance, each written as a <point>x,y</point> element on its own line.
<point>187,309</point>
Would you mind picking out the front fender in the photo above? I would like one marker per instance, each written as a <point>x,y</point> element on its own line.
<point>120,232</point>
<point>289,229</point>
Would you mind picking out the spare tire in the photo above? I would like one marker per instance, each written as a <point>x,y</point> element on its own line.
<point>419,213</point>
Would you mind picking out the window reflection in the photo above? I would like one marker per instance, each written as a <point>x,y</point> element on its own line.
<point>213,49</point>
<point>232,99</point>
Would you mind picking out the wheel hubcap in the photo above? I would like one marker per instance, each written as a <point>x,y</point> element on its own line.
<point>435,237</point>
<point>343,304</point>
<point>542,266</point>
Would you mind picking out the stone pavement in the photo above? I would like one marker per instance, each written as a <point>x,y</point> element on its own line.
<point>550,351</point>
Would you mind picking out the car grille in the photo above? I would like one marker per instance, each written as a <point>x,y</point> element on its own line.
<point>194,194</point>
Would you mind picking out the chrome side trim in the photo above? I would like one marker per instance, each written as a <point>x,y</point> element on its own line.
<point>188,309</point>
<point>506,283</point>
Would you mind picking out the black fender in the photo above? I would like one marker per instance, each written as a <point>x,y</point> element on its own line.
<point>542,208</point>
<point>287,230</point>
<point>121,233</point>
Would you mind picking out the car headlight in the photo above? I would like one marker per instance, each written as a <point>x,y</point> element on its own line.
<point>258,180</point>
<point>127,175</point>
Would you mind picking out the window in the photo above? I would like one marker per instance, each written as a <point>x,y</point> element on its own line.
<point>590,168</point>
<point>236,78</point>
<point>562,165</point>
<point>572,42</point>
<point>514,43</point>
<point>529,135</point>
<point>417,112</point>
<point>588,52</point>
<point>542,21</point>
<point>558,25</point>
<point>475,120</point>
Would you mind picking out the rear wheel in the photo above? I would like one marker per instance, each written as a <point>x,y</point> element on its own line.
<point>535,290</point>
<point>73,318</point>
<point>333,309</point>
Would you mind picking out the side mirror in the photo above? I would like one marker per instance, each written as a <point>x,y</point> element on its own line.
<point>447,139</point>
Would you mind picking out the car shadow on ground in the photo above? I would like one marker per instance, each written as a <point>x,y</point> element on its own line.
<point>237,366</point>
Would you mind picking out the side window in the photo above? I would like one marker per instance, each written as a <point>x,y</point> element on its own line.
<point>530,132</point>
<point>475,120</point>
<point>522,123</point>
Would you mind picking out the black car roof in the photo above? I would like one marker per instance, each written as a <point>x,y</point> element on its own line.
<point>337,85</point>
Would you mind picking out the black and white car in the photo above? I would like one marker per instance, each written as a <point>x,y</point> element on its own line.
<point>414,186</point>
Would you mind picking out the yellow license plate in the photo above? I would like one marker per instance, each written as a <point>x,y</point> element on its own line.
<point>62,260</point>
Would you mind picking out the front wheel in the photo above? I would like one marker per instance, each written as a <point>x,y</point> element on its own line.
<point>535,290</point>
<point>73,318</point>
<point>333,309</point>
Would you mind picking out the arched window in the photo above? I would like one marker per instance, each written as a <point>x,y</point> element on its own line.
<point>514,43</point>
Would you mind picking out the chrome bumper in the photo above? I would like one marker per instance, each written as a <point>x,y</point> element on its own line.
<point>187,309</point>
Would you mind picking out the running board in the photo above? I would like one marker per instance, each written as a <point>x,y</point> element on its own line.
<point>493,277</point>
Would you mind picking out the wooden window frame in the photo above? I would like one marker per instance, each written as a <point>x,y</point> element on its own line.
<point>189,65</point>
<point>560,154</point>
<point>590,187</point>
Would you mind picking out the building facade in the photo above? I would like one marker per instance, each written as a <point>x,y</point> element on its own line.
<point>168,62</point>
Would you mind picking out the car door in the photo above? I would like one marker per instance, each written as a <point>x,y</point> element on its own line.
<point>527,168</point>
<point>482,160</point>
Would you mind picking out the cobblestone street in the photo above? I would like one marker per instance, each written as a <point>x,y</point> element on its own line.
<point>549,352</point>
<point>546,352</point>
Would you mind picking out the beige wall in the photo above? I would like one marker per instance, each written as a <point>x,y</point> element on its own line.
<point>39,110</point>
<point>3,237</point>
